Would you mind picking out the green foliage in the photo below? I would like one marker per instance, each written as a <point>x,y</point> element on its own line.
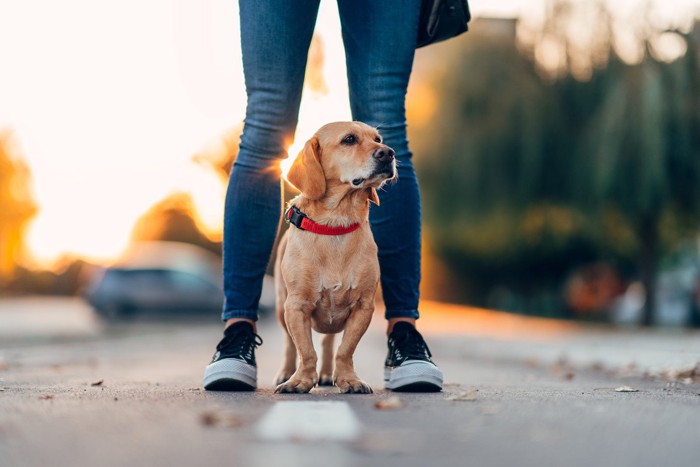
<point>526,177</point>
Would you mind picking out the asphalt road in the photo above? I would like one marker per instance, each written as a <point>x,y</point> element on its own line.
<point>77,392</point>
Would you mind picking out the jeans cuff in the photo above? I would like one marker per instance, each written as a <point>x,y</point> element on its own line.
<point>246,314</point>
<point>411,313</point>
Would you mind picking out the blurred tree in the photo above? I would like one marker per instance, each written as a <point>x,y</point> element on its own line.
<point>542,156</point>
<point>494,182</point>
<point>636,134</point>
<point>17,206</point>
<point>642,152</point>
<point>173,219</point>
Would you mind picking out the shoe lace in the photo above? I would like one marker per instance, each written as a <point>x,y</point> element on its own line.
<point>410,345</point>
<point>243,342</point>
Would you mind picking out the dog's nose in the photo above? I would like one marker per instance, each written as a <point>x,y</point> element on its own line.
<point>384,154</point>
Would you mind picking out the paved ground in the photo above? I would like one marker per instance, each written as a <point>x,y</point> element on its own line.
<point>520,392</point>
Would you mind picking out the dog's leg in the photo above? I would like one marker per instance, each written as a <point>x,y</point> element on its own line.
<point>326,376</point>
<point>355,327</point>
<point>296,316</point>
<point>289,361</point>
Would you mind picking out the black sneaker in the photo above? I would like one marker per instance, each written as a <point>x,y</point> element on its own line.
<point>408,366</point>
<point>233,366</point>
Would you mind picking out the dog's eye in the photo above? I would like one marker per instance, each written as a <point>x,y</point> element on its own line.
<point>349,140</point>
<point>377,139</point>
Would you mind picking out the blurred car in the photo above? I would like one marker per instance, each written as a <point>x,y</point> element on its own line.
<point>159,276</point>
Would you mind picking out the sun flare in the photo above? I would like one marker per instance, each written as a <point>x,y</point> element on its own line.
<point>107,138</point>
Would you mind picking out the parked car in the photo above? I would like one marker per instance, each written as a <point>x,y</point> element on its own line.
<point>158,276</point>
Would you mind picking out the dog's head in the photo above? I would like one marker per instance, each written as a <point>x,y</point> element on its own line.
<point>349,153</point>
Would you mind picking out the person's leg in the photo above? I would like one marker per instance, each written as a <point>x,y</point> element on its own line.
<point>275,39</point>
<point>380,40</point>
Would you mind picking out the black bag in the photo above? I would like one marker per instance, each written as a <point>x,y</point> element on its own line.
<point>441,20</point>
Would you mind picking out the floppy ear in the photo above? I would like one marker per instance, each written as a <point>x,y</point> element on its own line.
<point>306,173</point>
<point>373,196</point>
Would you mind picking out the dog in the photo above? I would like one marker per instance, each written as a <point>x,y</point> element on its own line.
<point>327,271</point>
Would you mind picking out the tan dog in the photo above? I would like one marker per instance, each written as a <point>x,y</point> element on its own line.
<point>327,282</point>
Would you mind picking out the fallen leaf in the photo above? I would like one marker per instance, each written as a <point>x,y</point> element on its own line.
<point>569,376</point>
<point>556,368</point>
<point>46,397</point>
<point>3,365</point>
<point>688,373</point>
<point>209,419</point>
<point>98,383</point>
<point>389,403</point>
<point>218,419</point>
<point>626,389</point>
<point>532,363</point>
<point>468,395</point>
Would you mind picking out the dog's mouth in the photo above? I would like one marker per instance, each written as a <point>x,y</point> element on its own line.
<point>380,174</point>
<point>376,178</point>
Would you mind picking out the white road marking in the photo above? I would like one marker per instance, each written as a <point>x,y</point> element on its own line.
<point>309,421</point>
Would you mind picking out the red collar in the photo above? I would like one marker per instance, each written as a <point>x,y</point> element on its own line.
<point>297,218</point>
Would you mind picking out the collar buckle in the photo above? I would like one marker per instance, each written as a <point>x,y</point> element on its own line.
<point>295,217</point>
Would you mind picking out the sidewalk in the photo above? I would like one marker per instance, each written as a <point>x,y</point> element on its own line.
<point>488,334</point>
<point>452,330</point>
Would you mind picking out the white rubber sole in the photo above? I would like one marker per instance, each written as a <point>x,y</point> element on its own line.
<point>230,374</point>
<point>413,375</point>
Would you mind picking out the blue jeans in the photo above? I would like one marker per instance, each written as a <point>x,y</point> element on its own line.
<point>379,38</point>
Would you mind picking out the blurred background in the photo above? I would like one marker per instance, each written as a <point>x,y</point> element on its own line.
<point>557,145</point>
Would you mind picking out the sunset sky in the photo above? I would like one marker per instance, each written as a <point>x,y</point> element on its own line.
<point>110,101</point>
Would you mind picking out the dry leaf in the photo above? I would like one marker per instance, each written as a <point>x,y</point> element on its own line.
<point>532,363</point>
<point>3,365</point>
<point>218,419</point>
<point>390,403</point>
<point>569,376</point>
<point>98,383</point>
<point>46,397</point>
<point>468,395</point>
<point>626,389</point>
<point>689,373</point>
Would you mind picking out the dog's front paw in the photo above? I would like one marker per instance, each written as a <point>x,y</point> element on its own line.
<point>283,376</point>
<point>353,386</point>
<point>297,384</point>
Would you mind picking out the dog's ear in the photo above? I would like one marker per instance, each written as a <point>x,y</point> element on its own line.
<point>306,173</point>
<point>373,196</point>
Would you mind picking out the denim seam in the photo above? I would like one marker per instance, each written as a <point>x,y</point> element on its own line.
<point>246,314</point>
<point>407,313</point>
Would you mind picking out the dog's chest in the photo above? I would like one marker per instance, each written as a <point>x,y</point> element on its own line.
<point>335,303</point>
